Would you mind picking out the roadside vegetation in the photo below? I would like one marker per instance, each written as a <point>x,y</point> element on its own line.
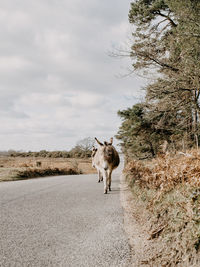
<point>160,135</point>
<point>168,188</point>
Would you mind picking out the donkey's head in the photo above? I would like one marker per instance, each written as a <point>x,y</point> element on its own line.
<point>106,151</point>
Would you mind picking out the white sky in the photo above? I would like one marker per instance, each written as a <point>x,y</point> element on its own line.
<point>58,85</point>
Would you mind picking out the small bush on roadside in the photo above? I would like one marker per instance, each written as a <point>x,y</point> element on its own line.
<point>36,172</point>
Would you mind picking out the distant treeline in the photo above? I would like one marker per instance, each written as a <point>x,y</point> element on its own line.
<point>74,153</point>
<point>83,149</point>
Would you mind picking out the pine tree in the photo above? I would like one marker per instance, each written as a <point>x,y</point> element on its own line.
<point>166,40</point>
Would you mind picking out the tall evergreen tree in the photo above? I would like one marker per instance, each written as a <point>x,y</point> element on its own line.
<point>166,39</point>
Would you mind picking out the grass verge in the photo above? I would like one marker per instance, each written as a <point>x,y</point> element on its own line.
<point>168,188</point>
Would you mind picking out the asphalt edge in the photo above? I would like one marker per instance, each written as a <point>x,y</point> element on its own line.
<point>126,200</point>
<point>134,230</point>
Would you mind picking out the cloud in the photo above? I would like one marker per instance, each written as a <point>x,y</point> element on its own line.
<point>58,84</point>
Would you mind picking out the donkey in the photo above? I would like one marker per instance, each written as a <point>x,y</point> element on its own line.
<point>94,152</point>
<point>106,159</point>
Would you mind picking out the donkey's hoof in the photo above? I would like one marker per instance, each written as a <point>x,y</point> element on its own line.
<point>109,189</point>
<point>105,191</point>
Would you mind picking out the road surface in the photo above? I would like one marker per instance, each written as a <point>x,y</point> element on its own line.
<point>62,221</point>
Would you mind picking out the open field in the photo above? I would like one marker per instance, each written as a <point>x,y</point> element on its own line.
<point>22,168</point>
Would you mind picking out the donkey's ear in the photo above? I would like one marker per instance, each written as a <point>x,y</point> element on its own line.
<point>111,141</point>
<point>98,141</point>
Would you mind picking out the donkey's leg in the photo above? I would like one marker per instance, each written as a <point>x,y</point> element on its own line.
<point>105,180</point>
<point>99,176</point>
<point>109,179</point>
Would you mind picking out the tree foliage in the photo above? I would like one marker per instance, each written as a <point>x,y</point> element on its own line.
<point>166,40</point>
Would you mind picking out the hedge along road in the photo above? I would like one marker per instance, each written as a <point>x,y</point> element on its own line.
<point>62,221</point>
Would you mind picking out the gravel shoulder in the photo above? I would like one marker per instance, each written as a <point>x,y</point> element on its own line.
<point>137,228</point>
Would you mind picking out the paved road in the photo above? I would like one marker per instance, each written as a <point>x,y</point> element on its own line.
<point>61,221</point>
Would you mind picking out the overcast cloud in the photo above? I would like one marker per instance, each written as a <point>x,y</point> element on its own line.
<point>58,85</point>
